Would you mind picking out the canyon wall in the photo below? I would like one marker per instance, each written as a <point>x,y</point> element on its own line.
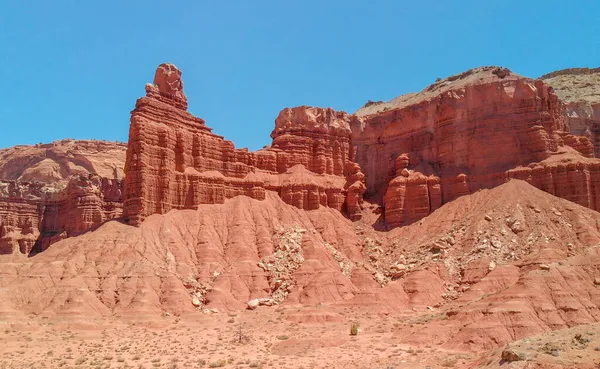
<point>55,190</point>
<point>467,132</point>
<point>34,215</point>
<point>174,161</point>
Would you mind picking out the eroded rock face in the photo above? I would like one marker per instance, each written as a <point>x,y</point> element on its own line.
<point>568,176</point>
<point>579,89</point>
<point>466,133</point>
<point>174,161</point>
<point>356,188</point>
<point>410,195</point>
<point>33,214</point>
<point>317,138</point>
<point>57,161</point>
<point>51,191</point>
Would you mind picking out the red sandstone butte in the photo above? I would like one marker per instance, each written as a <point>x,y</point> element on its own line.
<point>467,132</point>
<point>174,161</point>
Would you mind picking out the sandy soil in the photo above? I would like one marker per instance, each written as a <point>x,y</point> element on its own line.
<point>269,337</point>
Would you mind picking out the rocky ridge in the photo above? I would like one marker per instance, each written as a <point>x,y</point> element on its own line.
<point>59,160</point>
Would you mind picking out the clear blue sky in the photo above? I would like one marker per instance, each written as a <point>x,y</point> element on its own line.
<point>73,69</point>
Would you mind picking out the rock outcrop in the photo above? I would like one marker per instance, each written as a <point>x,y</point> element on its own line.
<point>56,190</point>
<point>58,161</point>
<point>34,215</point>
<point>174,161</point>
<point>410,195</point>
<point>579,89</point>
<point>469,132</point>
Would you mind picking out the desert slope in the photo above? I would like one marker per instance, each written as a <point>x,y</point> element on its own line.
<point>513,258</point>
<point>519,262</point>
<point>478,228</point>
<point>211,254</point>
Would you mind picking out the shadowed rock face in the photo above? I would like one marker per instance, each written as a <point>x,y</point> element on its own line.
<point>174,161</point>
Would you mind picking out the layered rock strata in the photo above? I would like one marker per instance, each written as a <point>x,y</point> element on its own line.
<point>474,130</point>
<point>33,215</point>
<point>174,161</point>
<point>51,191</point>
<point>466,133</point>
<point>58,161</point>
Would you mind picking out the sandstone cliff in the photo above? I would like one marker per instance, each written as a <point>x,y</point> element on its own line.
<point>469,132</point>
<point>52,191</point>
<point>482,257</point>
<point>34,215</point>
<point>174,161</point>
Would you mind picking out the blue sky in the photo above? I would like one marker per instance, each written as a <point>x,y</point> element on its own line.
<point>73,69</point>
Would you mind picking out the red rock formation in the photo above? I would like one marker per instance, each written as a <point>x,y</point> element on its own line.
<point>462,134</point>
<point>58,161</point>
<point>410,195</point>
<point>355,187</point>
<point>34,213</point>
<point>174,161</point>
<point>52,191</point>
<point>579,90</point>
<point>87,202</point>
<point>568,176</point>
<point>19,217</point>
<point>317,138</point>
<point>495,265</point>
